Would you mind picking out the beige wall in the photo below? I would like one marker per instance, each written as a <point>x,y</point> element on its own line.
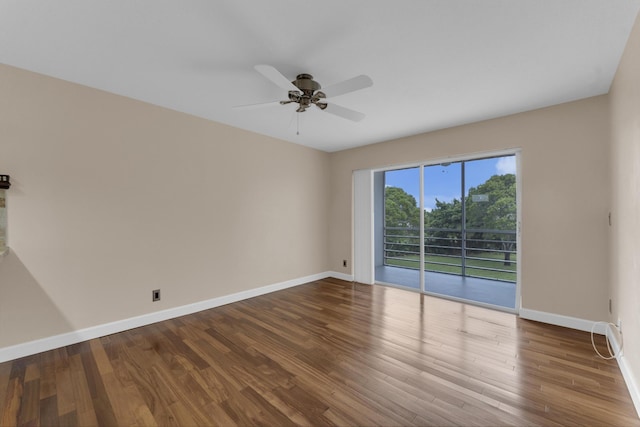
<point>625,168</point>
<point>113,198</point>
<point>565,197</point>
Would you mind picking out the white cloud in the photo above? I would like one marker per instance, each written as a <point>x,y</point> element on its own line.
<point>506,165</point>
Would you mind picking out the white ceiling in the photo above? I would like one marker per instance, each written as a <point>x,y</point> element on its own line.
<point>434,63</point>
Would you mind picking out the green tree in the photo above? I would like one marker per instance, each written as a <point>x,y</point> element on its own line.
<point>496,213</point>
<point>445,215</point>
<point>499,211</point>
<point>444,223</point>
<point>493,207</point>
<point>402,221</point>
<point>400,208</point>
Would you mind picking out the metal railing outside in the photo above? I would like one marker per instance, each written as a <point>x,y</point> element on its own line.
<point>482,253</point>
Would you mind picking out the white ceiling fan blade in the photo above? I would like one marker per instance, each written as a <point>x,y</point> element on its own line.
<point>256,106</point>
<point>345,113</point>
<point>276,77</point>
<point>351,85</point>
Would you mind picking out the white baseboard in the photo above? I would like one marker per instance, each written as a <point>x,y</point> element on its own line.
<point>565,321</point>
<point>600,328</point>
<point>627,374</point>
<point>61,340</point>
<point>615,342</point>
<point>632,384</point>
<point>341,276</point>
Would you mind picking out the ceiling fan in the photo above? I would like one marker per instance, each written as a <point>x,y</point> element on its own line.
<point>305,92</point>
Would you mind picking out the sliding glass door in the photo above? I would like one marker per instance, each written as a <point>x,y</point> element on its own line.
<point>450,229</point>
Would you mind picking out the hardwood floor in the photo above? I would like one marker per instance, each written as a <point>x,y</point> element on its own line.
<point>325,353</point>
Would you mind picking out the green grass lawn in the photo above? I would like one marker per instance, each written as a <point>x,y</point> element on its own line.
<point>413,261</point>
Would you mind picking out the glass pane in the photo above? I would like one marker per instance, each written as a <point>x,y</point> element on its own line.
<point>490,205</point>
<point>401,251</point>
<point>443,218</point>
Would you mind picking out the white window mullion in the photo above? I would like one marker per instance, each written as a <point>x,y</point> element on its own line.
<point>422,275</point>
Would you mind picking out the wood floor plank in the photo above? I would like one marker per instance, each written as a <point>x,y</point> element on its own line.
<point>70,419</point>
<point>99,397</point>
<point>48,412</point>
<point>64,386</point>
<point>47,374</point>
<point>325,353</point>
<point>30,403</point>
<point>5,373</point>
<point>12,402</point>
<point>304,403</point>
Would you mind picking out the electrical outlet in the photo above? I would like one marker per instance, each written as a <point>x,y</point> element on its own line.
<point>344,262</point>
<point>155,295</point>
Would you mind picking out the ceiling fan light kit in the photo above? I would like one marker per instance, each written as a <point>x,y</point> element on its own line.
<point>305,92</point>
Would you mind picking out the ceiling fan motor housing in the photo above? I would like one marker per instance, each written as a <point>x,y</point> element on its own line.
<point>306,84</point>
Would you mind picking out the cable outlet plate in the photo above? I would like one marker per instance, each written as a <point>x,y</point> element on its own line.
<point>155,295</point>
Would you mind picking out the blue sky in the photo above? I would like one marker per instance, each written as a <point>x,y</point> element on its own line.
<point>443,182</point>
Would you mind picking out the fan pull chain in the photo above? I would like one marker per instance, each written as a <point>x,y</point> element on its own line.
<point>297,123</point>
